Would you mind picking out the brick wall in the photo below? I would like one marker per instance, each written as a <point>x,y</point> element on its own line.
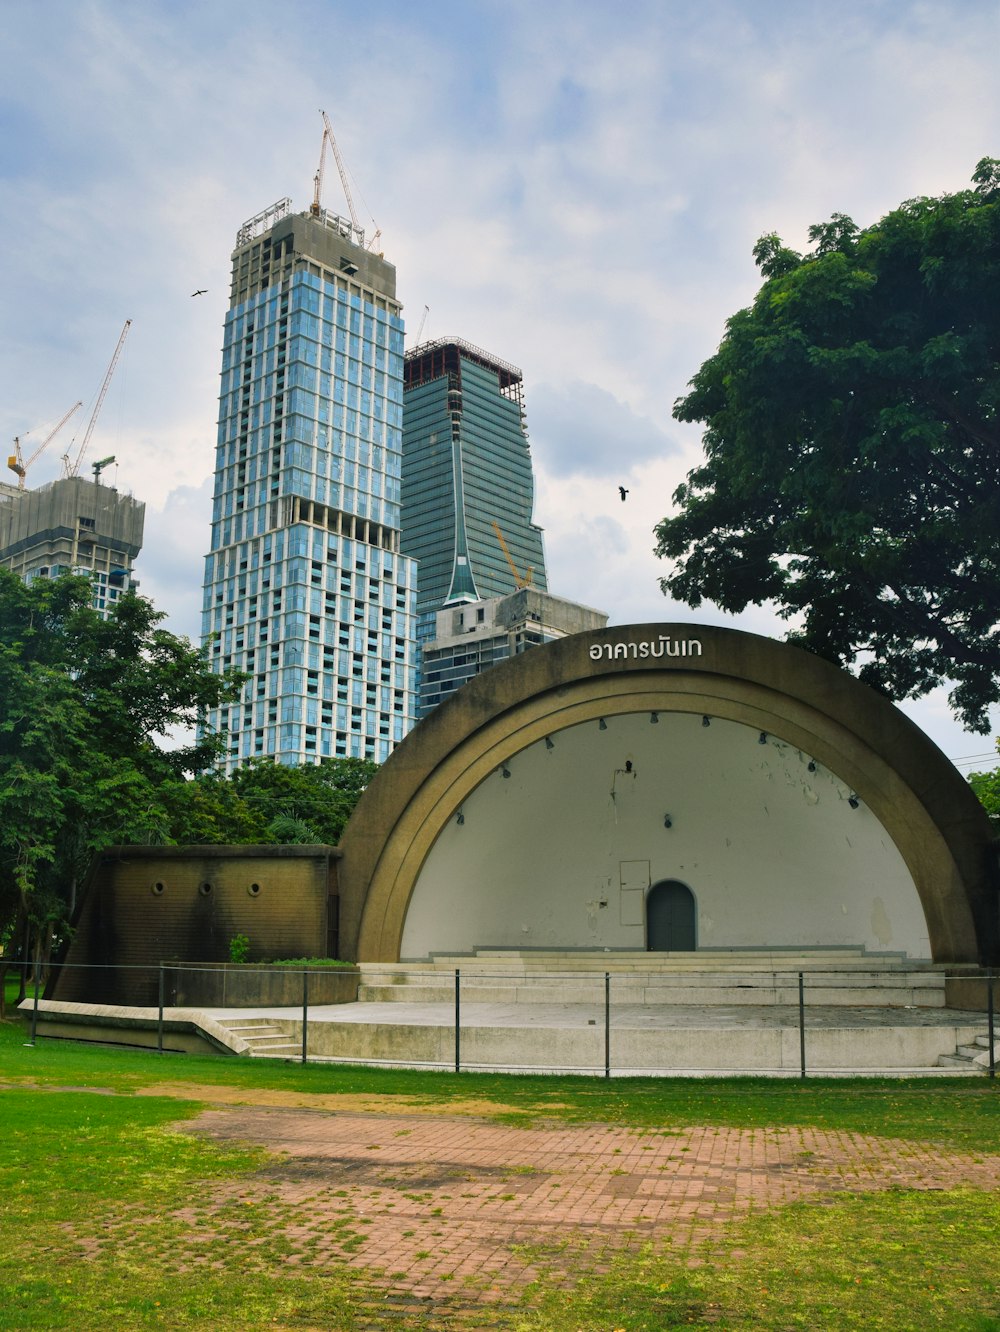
<point>147,905</point>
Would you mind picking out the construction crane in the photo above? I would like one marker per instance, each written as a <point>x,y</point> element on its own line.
<point>19,464</point>
<point>72,465</point>
<point>328,137</point>
<point>98,467</point>
<point>420,328</point>
<point>520,580</point>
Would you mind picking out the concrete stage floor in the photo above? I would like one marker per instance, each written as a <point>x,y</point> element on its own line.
<point>653,1039</point>
<point>660,1040</point>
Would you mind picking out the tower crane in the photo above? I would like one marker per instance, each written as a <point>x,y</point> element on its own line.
<point>520,580</point>
<point>328,137</point>
<point>17,461</point>
<point>72,465</point>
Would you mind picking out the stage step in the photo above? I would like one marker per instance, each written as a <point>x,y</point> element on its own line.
<point>590,958</point>
<point>710,977</point>
<point>263,1039</point>
<point>974,1054</point>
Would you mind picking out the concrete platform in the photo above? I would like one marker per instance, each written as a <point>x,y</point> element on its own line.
<point>657,1040</point>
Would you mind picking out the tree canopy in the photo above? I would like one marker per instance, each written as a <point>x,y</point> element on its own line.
<point>270,802</point>
<point>987,787</point>
<point>852,449</point>
<point>85,707</point>
<point>89,714</point>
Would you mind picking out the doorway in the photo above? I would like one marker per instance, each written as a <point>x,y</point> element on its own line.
<point>670,918</point>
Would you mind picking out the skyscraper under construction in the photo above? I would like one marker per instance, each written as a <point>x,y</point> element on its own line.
<point>305,586</point>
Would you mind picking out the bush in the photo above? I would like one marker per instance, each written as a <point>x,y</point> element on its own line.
<point>239,948</point>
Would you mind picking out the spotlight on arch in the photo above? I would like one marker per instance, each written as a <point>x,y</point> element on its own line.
<point>602,725</point>
<point>853,801</point>
<point>811,765</point>
<point>654,717</point>
<point>505,771</point>
<point>706,721</point>
<point>548,742</point>
<point>762,738</point>
<point>459,818</point>
<point>667,821</point>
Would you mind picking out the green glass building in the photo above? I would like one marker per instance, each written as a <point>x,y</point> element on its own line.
<point>467,484</point>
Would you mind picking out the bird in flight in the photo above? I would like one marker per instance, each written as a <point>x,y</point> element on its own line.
<point>623,492</point>
<point>200,292</point>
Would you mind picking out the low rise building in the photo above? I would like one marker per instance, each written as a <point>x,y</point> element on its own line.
<point>471,636</point>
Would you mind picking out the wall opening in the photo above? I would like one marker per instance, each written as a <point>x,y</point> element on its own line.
<point>670,918</point>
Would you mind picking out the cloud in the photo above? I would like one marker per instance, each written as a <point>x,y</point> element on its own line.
<point>574,190</point>
<point>580,429</point>
<point>170,567</point>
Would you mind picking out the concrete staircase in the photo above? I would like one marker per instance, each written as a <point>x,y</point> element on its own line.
<point>263,1038</point>
<point>841,976</point>
<point>973,1057</point>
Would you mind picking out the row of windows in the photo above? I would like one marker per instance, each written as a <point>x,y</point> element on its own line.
<point>264,558</point>
<point>360,491</point>
<point>314,712</point>
<point>325,745</point>
<point>379,446</point>
<point>260,519</point>
<point>299,353</point>
<point>258,325</point>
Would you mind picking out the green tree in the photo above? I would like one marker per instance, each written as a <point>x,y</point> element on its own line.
<point>86,705</point>
<point>308,803</point>
<point>268,802</point>
<point>852,449</point>
<point>987,787</point>
<point>208,809</point>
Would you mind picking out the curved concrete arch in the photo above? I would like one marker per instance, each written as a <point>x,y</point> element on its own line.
<point>792,698</point>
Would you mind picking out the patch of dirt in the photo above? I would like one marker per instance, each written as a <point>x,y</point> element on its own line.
<point>361,1104</point>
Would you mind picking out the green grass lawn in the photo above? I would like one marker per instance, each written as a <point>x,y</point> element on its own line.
<point>103,1173</point>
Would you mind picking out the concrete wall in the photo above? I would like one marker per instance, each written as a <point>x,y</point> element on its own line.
<point>800,864</point>
<point>562,853</point>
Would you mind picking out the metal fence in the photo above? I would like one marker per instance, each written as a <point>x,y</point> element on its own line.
<point>799,995</point>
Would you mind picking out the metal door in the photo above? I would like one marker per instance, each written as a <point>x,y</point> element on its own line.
<point>670,918</point>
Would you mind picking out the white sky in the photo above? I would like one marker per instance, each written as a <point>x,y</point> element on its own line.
<point>575,187</point>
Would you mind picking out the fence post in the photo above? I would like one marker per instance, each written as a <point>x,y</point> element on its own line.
<point>989,1010</point>
<point>34,1010</point>
<point>607,1024</point>
<point>159,1020</point>
<point>305,1012</point>
<point>458,1013</point>
<point>802,1026</point>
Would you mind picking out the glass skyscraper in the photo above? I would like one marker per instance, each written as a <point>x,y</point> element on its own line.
<point>468,487</point>
<point>306,588</point>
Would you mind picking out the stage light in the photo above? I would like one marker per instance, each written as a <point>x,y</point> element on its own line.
<point>853,801</point>
<point>505,771</point>
<point>762,738</point>
<point>667,821</point>
<point>602,725</point>
<point>654,717</point>
<point>706,721</point>
<point>459,818</point>
<point>548,743</point>
<point>811,765</point>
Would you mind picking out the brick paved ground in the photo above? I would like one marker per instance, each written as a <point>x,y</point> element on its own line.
<point>466,1212</point>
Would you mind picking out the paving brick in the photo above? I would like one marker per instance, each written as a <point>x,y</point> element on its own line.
<point>465,1213</point>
